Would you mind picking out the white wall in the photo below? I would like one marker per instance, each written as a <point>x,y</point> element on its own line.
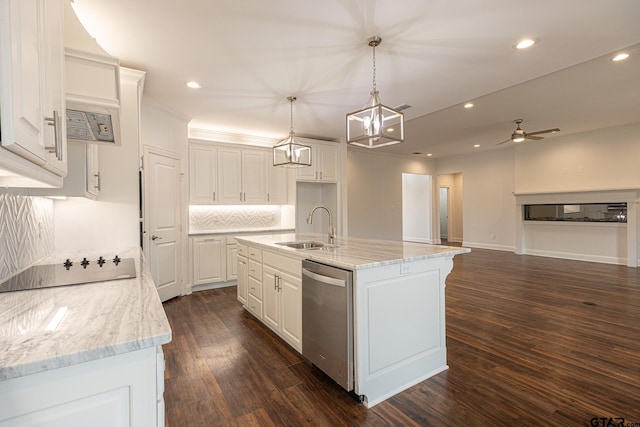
<point>487,197</point>
<point>599,160</point>
<point>375,191</point>
<point>164,129</point>
<point>112,220</point>
<point>416,208</point>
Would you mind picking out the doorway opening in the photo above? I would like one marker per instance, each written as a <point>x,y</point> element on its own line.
<point>449,209</point>
<point>416,208</point>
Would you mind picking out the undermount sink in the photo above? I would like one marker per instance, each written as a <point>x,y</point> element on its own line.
<point>303,245</point>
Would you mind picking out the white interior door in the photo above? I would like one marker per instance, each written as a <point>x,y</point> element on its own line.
<point>163,221</point>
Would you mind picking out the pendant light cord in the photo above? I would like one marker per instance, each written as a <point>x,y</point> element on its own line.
<point>374,68</point>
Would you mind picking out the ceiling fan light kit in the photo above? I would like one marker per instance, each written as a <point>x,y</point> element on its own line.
<point>289,152</point>
<point>375,125</point>
<point>520,135</point>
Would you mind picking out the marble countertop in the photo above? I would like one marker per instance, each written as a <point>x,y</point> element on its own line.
<point>353,253</point>
<point>98,320</point>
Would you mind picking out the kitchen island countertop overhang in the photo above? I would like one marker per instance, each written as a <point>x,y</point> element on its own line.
<point>353,253</point>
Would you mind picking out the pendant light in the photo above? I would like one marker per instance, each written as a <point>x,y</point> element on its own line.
<point>375,125</point>
<point>289,153</point>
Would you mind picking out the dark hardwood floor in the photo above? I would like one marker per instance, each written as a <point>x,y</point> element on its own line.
<point>531,341</point>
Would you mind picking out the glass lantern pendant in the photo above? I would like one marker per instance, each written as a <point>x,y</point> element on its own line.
<point>289,153</point>
<point>375,125</point>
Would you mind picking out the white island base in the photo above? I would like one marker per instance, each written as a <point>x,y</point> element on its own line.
<point>400,334</point>
<point>398,294</point>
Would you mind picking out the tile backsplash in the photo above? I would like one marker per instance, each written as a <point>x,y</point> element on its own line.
<point>221,218</point>
<point>27,232</point>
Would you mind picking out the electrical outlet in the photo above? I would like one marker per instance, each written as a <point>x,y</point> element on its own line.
<point>405,268</point>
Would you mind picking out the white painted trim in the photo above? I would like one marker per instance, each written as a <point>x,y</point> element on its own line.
<point>577,257</point>
<point>488,246</point>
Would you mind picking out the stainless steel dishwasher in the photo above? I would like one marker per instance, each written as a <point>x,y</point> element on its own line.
<point>327,320</point>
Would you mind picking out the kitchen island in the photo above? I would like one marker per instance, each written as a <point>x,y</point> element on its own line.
<point>86,354</point>
<point>398,302</point>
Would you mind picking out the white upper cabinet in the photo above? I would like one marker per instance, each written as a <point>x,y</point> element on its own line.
<point>324,165</point>
<point>230,175</point>
<point>277,183</point>
<point>203,177</point>
<point>254,174</point>
<point>33,97</point>
<point>220,174</point>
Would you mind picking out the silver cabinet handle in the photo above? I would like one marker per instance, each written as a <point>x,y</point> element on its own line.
<point>98,186</point>
<point>214,196</point>
<point>275,282</point>
<point>279,287</point>
<point>57,135</point>
<point>154,237</point>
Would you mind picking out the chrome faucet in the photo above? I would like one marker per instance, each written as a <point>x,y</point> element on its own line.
<point>331,231</point>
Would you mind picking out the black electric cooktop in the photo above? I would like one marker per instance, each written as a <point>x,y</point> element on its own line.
<point>71,273</point>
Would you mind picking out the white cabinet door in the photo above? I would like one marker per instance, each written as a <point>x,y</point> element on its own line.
<point>282,297</point>
<point>203,179</point>
<point>270,298</point>
<point>290,290</point>
<point>243,278</point>
<point>328,165</point>
<point>277,183</point>
<point>208,260</point>
<point>32,88</point>
<point>232,262</point>
<point>55,140</point>
<point>92,171</point>
<point>230,176</point>
<point>254,184</point>
<point>324,165</point>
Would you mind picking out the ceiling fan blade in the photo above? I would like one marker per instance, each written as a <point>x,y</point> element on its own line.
<point>506,140</point>
<point>543,131</point>
<point>534,138</point>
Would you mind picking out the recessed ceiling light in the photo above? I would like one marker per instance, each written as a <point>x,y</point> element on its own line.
<point>476,146</point>
<point>468,105</point>
<point>193,85</point>
<point>620,57</point>
<point>525,43</point>
<point>390,129</point>
<point>429,154</point>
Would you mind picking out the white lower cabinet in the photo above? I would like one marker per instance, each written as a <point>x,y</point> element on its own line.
<point>254,282</point>
<point>232,259</point>
<point>122,390</point>
<point>243,273</point>
<point>209,259</point>
<point>282,296</point>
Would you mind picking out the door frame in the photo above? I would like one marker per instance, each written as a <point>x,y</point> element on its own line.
<point>448,188</point>
<point>144,218</point>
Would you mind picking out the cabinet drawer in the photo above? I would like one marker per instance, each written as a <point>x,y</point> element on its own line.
<point>242,250</point>
<point>254,305</point>
<point>255,269</point>
<point>255,288</point>
<point>254,253</point>
<point>283,263</point>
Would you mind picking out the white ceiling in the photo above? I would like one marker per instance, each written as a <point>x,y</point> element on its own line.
<point>249,55</point>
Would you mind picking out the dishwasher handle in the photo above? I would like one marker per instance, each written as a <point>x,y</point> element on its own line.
<point>324,279</point>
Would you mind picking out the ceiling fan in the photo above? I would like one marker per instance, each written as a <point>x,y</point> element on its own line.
<point>519,135</point>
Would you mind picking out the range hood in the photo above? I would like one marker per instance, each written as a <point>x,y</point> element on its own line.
<point>92,86</point>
